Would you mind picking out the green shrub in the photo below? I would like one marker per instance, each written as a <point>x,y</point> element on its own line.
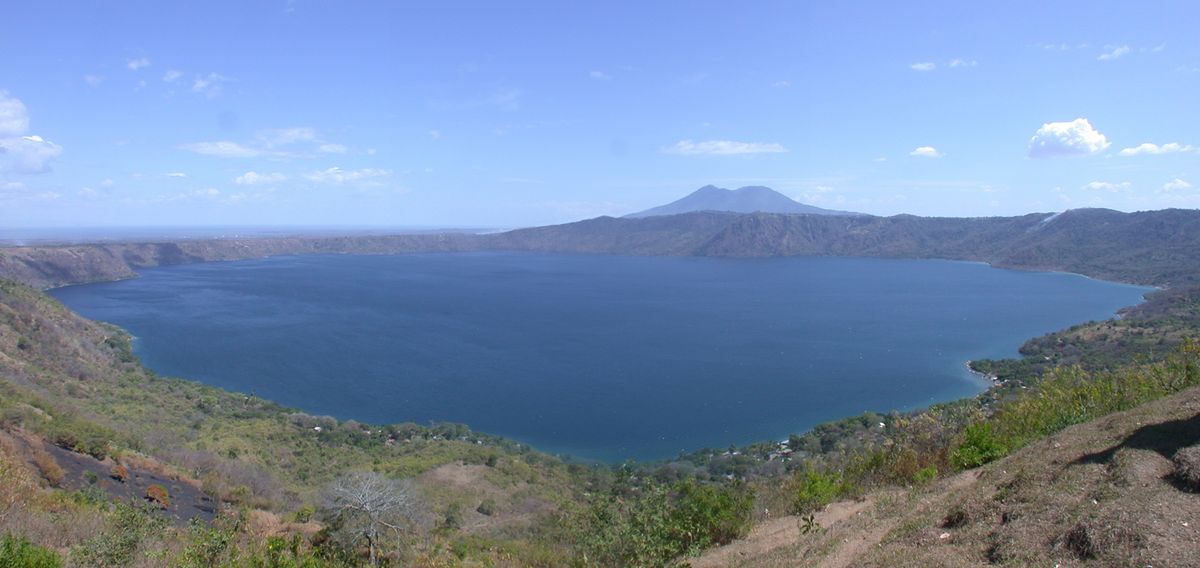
<point>20,553</point>
<point>649,524</point>
<point>91,495</point>
<point>128,528</point>
<point>812,489</point>
<point>487,507</point>
<point>705,515</point>
<point>925,475</point>
<point>208,545</point>
<point>305,513</point>
<point>1068,396</point>
<point>980,445</point>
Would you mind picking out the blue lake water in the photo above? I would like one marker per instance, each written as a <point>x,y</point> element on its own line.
<point>602,357</point>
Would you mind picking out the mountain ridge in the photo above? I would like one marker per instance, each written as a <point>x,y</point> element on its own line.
<point>1160,248</point>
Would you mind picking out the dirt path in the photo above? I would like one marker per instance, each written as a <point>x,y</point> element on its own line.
<point>858,545</point>
<point>785,531</point>
<point>774,534</point>
<point>853,548</point>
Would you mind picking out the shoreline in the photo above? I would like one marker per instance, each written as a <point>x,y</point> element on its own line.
<point>987,382</point>
<point>992,380</point>
<point>201,250</point>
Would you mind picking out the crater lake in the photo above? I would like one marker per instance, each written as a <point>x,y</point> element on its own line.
<point>598,357</point>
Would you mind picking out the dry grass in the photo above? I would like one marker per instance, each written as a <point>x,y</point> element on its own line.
<point>1112,492</point>
<point>29,510</point>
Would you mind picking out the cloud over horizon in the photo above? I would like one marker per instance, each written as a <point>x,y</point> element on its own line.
<point>1107,186</point>
<point>1176,184</point>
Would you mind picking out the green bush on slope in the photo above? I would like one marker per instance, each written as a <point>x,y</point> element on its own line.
<point>20,553</point>
<point>651,524</point>
<point>1069,396</point>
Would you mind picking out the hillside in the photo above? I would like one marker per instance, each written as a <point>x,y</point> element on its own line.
<point>752,199</point>
<point>74,400</point>
<point>1117,491</point>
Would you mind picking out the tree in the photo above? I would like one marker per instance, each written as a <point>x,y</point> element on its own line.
<point>365,505</point>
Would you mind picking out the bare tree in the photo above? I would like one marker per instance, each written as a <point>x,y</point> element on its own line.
<point>364,505</point>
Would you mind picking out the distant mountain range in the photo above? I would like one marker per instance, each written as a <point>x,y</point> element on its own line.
<point>751,199</point>
<point>1152,247</point>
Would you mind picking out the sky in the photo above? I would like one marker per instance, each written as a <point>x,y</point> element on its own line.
<point>506,114</point>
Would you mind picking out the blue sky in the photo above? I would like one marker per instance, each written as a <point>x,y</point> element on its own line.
<point>509,114</point>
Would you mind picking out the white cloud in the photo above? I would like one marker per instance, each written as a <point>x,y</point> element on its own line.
<point>600,76</point>
<point>926,152</point>
<point>254,178</point>
<point>283,136</point>
<point>1106,186</point>
<point>275,142</point>
<point>208,85</point>
<point>1113,53</point>
<point>723,148</point>
<point>222,149</point>
<point>29,154</point>
<point>14,118</point>
<point>923,66</point>
<point>781,84</point>
<point>958,62</point>
<point>338,176</point>
<point>1176,185</point>
<point>172,75</point>
<point>93,80</point>
<point>1074,138</point>
<point>176,175</point>
<point>1148,148</point>
<point>135,64</point>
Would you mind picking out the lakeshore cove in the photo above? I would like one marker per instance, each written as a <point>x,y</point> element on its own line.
<point>597,357</point>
